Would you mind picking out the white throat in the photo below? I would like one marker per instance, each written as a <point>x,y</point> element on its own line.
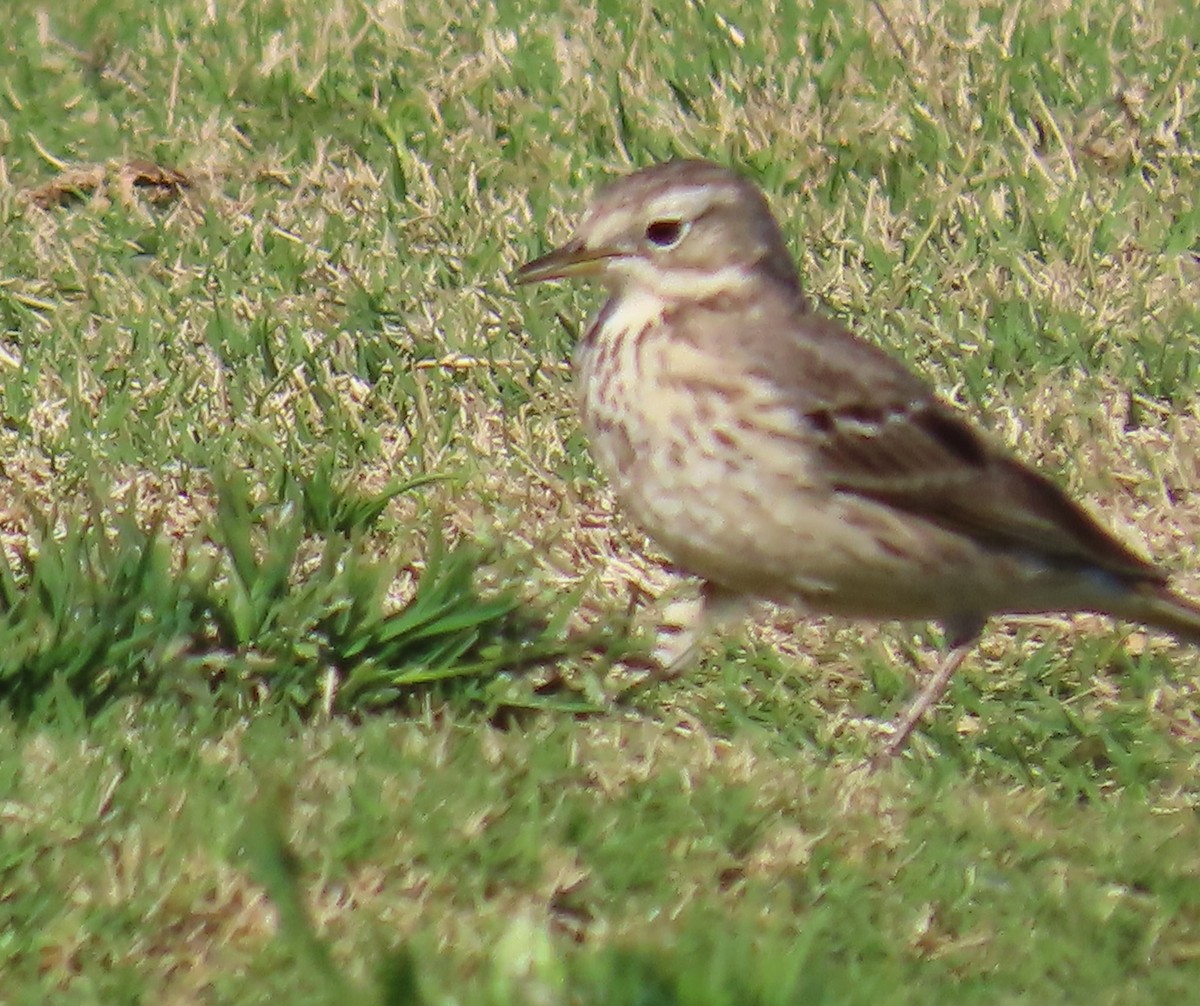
<point>632,310</point>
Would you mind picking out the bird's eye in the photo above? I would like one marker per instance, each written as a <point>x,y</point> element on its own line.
<point>665,233</point>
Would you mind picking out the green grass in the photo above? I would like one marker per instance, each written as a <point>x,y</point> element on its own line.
<point>315,631</point>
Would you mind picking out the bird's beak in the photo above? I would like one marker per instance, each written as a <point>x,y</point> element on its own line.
<point>572,259</point>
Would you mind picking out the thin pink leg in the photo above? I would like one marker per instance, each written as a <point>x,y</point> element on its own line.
<point>930,695</point>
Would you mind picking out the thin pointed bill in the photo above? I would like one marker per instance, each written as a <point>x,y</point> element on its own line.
<point>570,260</point>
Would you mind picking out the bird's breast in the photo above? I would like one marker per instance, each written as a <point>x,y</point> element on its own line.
<point>655,379</point>
<point>692,444</point>
<point>615,367</point>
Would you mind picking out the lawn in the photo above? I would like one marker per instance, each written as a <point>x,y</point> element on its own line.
<point>322,643</point>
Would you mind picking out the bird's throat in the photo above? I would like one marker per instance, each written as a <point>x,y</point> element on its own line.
<point>623,314</point>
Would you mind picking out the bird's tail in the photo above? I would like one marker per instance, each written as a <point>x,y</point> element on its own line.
<point>1159,607</point>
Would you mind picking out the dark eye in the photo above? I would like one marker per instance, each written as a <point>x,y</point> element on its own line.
<point>665,233</point>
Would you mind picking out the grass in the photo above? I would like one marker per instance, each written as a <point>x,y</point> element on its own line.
<point>315,654</point>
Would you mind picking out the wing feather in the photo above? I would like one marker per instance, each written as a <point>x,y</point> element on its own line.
<point>881,433</point>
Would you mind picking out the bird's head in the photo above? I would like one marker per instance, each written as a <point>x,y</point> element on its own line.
<point>679,230</point>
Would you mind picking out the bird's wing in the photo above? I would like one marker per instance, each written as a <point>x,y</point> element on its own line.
<point>882,434</point>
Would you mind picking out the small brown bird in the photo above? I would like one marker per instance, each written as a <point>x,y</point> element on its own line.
<point>777,456</point>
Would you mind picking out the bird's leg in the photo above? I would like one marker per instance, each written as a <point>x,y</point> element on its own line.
<point>685,623</point>
<point>961,638</point>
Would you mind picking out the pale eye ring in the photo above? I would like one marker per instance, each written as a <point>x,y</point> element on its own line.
<point>666,233</point>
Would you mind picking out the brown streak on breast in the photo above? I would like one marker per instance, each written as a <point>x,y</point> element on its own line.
<point>591,336</point>
<point>638,341</point>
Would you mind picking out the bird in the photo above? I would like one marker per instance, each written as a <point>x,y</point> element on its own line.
<point>777,456</point>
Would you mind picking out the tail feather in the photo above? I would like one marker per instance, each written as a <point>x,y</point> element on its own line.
<point>1160,607</point>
